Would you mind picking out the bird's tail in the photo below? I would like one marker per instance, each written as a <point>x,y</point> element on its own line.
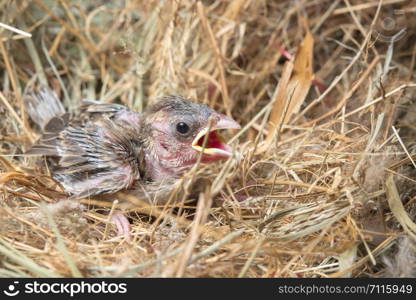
<point>43,106</point>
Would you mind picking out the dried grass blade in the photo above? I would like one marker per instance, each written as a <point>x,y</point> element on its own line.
<point>397,208</point>
<point>61,245</point>
<point>9,251</point>
<point>280,103</point>
<point>301,80</point>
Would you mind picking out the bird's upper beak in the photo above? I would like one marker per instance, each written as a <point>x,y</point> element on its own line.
<point>215,145</point>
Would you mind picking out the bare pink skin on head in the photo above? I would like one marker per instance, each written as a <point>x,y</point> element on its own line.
<point>174,152</point>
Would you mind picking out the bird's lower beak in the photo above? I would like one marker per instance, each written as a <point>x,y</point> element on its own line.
<point>215,145</point>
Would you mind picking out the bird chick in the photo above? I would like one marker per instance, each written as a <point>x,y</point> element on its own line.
<point>106,148</point>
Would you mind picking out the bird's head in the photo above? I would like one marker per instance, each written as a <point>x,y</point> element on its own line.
<point>178,128</point>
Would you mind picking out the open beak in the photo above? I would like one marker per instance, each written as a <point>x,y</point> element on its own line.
<point>215,145</point>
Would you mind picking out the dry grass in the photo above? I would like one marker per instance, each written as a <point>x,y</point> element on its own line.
<point>320,185</point>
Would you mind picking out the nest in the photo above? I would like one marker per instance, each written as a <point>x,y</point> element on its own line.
<point>322,180</point>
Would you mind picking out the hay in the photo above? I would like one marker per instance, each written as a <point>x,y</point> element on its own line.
<point>321,183</point>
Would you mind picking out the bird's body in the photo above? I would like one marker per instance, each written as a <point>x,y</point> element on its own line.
<point>105,148</point>
<point>97,151</point>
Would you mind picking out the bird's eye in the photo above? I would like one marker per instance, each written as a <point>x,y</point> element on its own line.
<point>182,128</point>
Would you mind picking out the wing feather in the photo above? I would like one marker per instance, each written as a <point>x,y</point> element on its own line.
<point>98,151</point>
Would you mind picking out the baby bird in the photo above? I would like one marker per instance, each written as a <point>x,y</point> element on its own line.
<point>106,148</point>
